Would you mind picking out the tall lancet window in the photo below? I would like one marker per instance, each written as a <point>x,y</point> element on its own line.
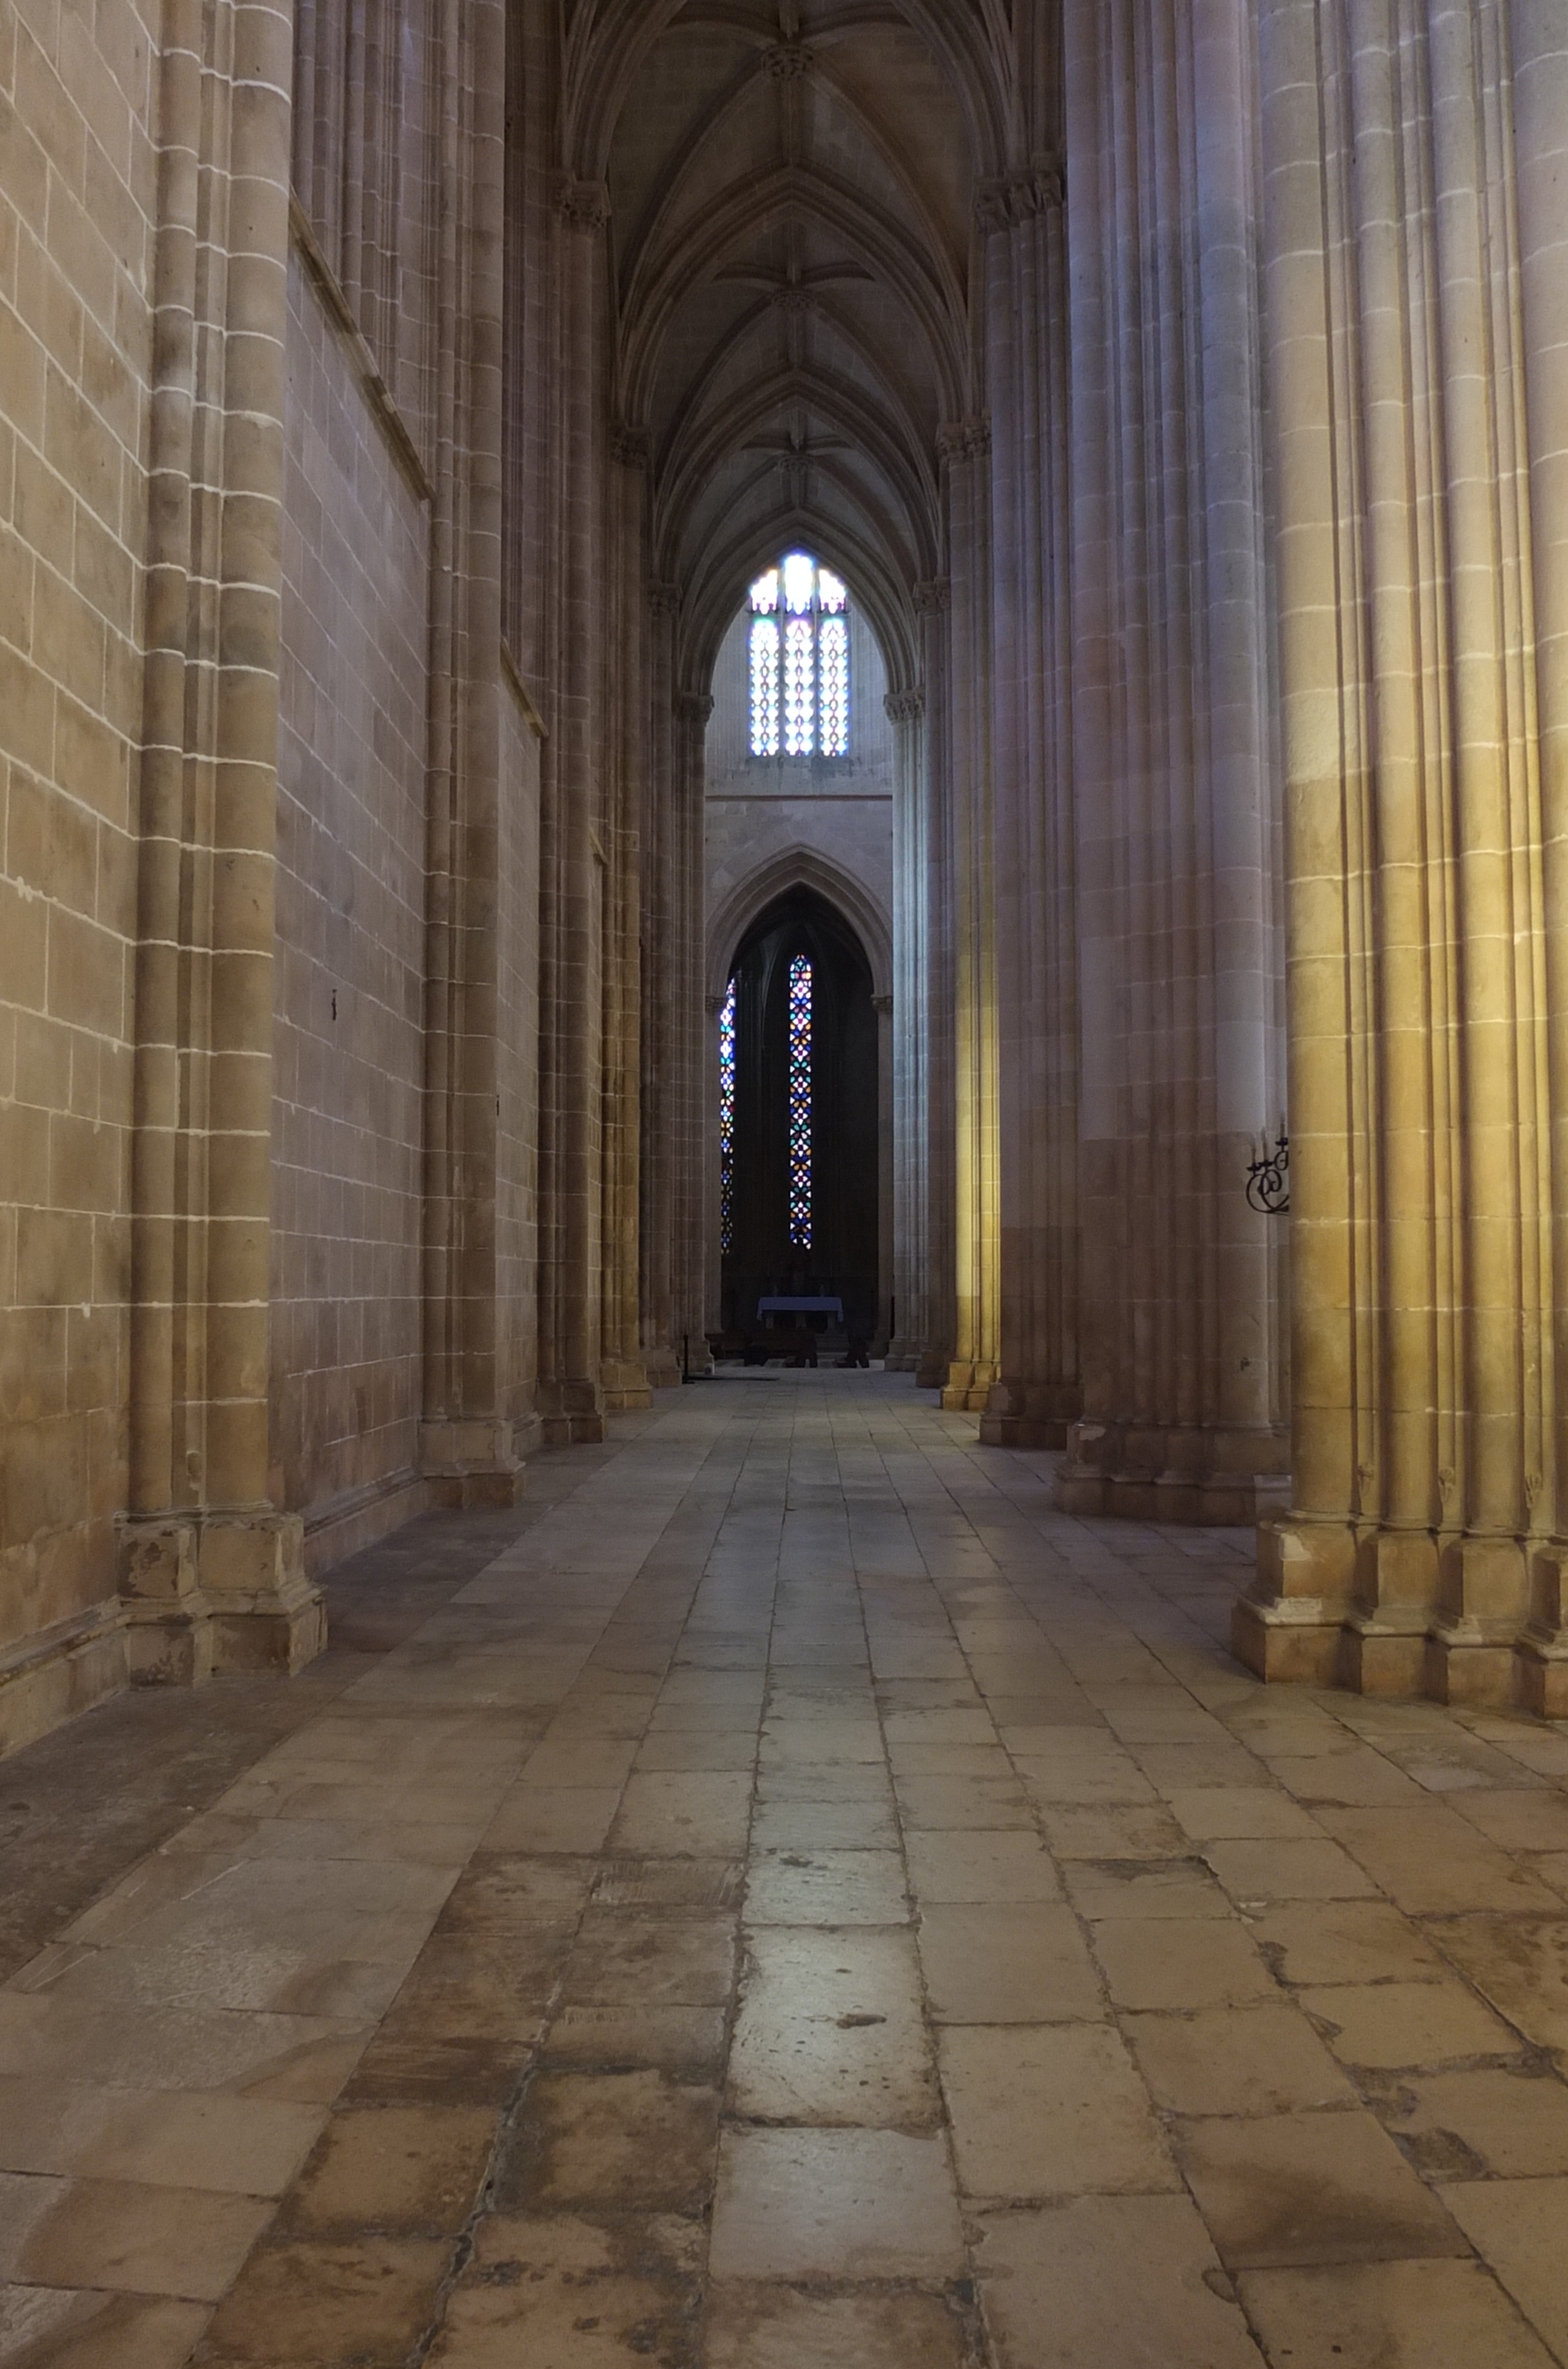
<point>800,1115</point>
<point>727,1053</point>
<point>800,662</point>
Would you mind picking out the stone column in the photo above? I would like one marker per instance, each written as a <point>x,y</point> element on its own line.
<point>696,1298</point>
<point>1426,1482</point>
<point>1539,32</point>
<point>624,1373</point>
<point>468,1448</point>
<point>573,858</point>
<point>966,450</point>
<point>211,1573</point>
<point>1037,1394</point>
<point>908,1220</point>
<point>935,1345</point>
<point>1173,770</point>
<point>667,925</point>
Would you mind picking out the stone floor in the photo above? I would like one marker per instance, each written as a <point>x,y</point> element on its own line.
<point>786,1900</point>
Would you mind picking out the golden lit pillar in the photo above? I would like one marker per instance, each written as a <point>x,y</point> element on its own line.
<point>1036,1394</point>
<point>966,451</point>
<point>211,1571</point>
<point>938,910</point>
<point>1423,1457</point>
<point>1539,31</point>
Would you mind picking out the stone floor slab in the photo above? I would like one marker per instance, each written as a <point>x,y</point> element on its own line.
<point>834,2204</point>
<point>1050,2304</point>
<point>627,1878</point>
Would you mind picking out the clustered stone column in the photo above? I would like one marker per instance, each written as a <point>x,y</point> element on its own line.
<point>211,1573</point>
<point>965,449</point>
<point>468,1446</point>
<point>675,1043</point>
<point>1035,1393</point>
<point>1419,390</point>
<point>1176,931</point>
<point>623,1369</point>
<point>572,857</point>
<point>909,1215</point>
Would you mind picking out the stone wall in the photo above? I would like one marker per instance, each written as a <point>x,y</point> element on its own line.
<point>347,1079</point>
<point>77,174</point>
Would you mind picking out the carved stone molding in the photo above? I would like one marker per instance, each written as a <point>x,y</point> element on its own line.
<point>694,706</point>
<point>632,447</point>
<point>882,1003</point>
<point>904,706</point>
<point>583,205</point>
<point>963,440</point>
<point>1014,198</point>
<point>786,62</point>
<point>664,600</point>
<point>933,597</point>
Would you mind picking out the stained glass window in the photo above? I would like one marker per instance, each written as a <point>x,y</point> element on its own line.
<point>833,687</point>
<point>764,688</point>
<point>799,689</point>
<point>726,1057</point>
<point>800,662</point>
<point>800,1103</point>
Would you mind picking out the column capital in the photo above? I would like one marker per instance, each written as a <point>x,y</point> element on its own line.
<point>933,597</point>
<point>582,205</point>
<point>694,706</point>
<point>963,440</point>
<point>630,446</point>
<point>1010,199</point>
<point>904,706</point>
<point>664,600</point>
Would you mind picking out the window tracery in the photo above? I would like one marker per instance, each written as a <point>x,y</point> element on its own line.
<point>800,1023</point>
<point>800,662</point>
<point>728,1046</point>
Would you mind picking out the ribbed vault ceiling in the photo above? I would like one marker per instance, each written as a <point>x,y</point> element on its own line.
<point>792,190</point>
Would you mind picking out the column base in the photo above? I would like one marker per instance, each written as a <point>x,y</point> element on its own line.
<point>1540,1670</point>
<point>626,1386</point>
<point>969,1386</point>
<point>469,1464</point>
<point>1029,1415</point>
<point>572,1413</point>
<point>1308,1618</point>
<point>1208,1479</point>
<point>216,1591</point>
<point>930,1373</point>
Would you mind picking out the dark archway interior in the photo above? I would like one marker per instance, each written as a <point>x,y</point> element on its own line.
<point>761,1259</point>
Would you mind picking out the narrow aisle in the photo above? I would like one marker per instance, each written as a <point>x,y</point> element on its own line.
<point>807,1906</point>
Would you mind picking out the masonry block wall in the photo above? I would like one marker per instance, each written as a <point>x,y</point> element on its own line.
<point>349,1074</point>
<point>77,174</point>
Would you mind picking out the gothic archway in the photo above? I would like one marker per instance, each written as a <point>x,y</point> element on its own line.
<point>801,1148</point>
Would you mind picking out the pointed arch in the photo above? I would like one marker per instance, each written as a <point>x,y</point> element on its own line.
<point>799,867</point>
